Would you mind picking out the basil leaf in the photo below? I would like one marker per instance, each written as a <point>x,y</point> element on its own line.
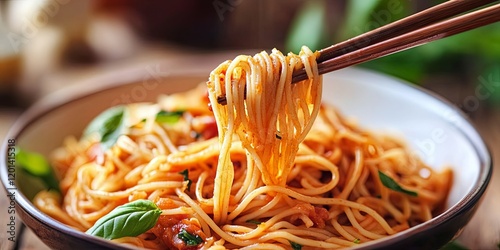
<point>454,245</point>
<point>185,173</point>
<point>108,125</point>
<point>131,219</point>
<point>392,184</point>
<point>36,165</point>
<point>256,222</point>
<point>168,117</point>
<point>189,239</point>
<point>357,241</point>
<point>295,246</point>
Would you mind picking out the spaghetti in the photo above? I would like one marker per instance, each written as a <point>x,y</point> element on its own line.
<point>272,169</point>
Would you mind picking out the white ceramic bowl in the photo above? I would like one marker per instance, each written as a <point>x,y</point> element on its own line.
<point>436,130</point>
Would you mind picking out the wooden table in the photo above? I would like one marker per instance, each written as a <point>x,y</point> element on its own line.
<point>483,231</point>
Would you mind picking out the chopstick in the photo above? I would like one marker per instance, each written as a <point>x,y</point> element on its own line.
<point>386,41</point>
<point>420,28</point>
<point>413,22</point>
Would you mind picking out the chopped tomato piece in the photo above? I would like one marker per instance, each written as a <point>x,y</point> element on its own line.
<point>168,228</point>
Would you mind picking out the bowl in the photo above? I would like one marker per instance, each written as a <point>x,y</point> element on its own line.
<point>432,127</point>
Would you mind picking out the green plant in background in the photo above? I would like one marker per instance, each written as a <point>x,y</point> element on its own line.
<point>470,55</point>
<point>308,28</point>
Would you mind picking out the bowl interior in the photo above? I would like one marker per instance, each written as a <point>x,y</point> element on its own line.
<point>433,129</point>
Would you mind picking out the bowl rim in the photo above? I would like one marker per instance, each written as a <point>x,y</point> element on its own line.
<point>61,98</point>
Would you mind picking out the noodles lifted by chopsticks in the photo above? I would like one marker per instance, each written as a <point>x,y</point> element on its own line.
<point>273,168</point>
<point>270,115</point>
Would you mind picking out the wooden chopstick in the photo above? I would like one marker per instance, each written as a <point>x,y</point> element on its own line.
<point>413,22</point>
<point>429,25</point>
<point>407,39</point>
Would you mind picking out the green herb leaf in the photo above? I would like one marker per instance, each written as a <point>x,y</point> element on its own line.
<point>36,165</point>
<point>357,241</point>
<point>256,222</point>
<point>108,125</point>
<point>169,117</point>
<point>392,184</point>
<point>131,219</point>
<point>454,245</point>
<point>295,246</point>
<point>189,239</point>
<point>185,173</point>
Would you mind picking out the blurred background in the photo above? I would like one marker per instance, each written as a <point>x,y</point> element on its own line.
<point>43,41</point>
<point>47,45</point>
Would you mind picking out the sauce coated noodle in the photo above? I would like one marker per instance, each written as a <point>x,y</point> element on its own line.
<point>284,170</point>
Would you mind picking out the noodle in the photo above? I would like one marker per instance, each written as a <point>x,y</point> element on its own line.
<point>270,168</point>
